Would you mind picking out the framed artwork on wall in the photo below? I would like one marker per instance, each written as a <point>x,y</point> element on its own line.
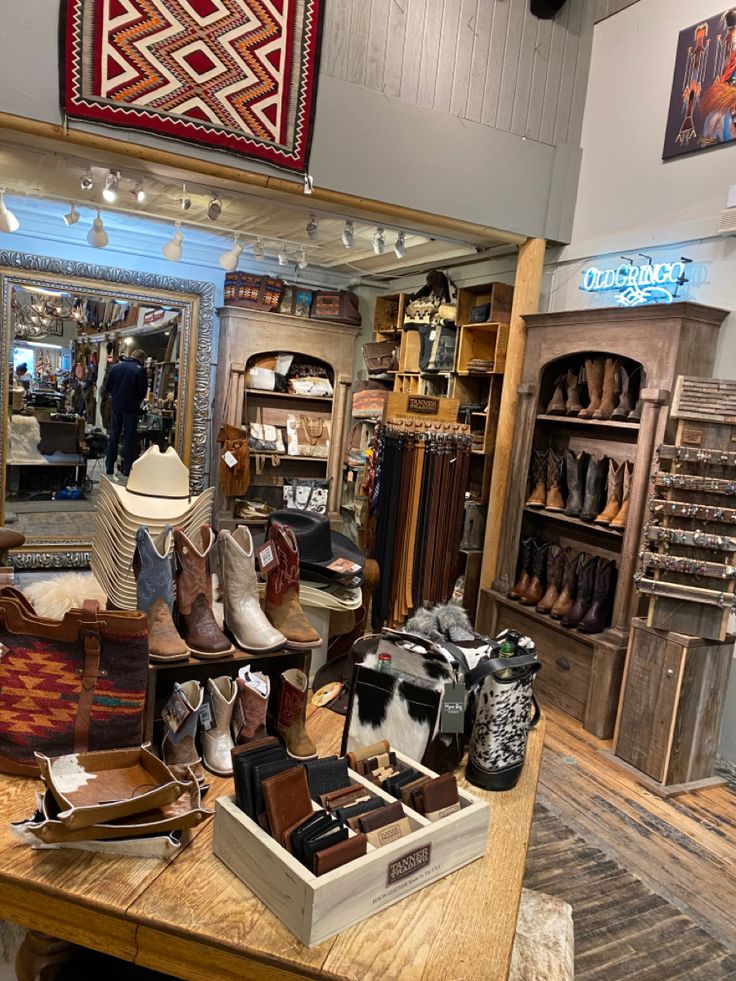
<point>702,110</point>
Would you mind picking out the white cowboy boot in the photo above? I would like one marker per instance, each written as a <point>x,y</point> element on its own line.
<point>245,621</point>
<point>217,741</point>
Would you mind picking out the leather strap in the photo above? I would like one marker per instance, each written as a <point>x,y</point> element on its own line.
<point>524,663</point>
<point>90,635</point>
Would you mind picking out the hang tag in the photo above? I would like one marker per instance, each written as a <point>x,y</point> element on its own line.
<point>206,716</point>
<point>267,560</point>
<point>344,567</point>
<point>351,476</point>
<point>252,681</point>
<point>433,335</point>
<point>176,711</point>
<point>453,709</point>
<point>230,460</point>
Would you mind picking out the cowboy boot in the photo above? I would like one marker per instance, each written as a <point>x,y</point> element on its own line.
<point>245,621</point>
<point>566,598</point>
<point>555,463</point>
<point>626,401</point>
<point>635,414</point>
<point>524,564</point>
<point>251,705</point>
<point>217,741</point>
<point>620,520</point>
<point>611,390</point>
<point>573,405</point>
<point>576,466</point>
<point>538,497</point>
<point>283,608</point>
<point>194,597</point>
<point>594,377</point>
<point>535,590</point>
<point>556,558</point>
<point>155,596</point>
<point>290,726</point>
<point>615,493</point>
<point>587,568</point>
<point>556,405</point>
<point>179,749</point>
<point>598,615</point>
<point>595,482</point>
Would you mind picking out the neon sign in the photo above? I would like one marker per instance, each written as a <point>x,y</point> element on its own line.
<point>655,282</point>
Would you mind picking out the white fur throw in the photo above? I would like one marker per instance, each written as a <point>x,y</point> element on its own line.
<point>52,598</point>
<point>25,434</point>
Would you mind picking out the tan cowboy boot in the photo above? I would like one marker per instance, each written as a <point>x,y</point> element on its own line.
<point>538,496</point>
<point>611,390</point>
<point>594,369</point>
<point>620,520</point>
<point>615,493</point>
<point>291,715</point>
<point>283,608</point>
<point>573,405</point>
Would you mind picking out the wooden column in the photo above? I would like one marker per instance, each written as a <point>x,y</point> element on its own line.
<point>526,300</point>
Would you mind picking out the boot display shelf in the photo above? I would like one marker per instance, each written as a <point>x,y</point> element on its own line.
<point>582,672</point>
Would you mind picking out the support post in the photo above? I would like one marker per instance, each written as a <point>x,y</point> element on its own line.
<point>527,288</point>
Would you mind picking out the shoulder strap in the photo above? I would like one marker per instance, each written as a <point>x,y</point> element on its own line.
<point>493,665</point>
<point>90,635</point>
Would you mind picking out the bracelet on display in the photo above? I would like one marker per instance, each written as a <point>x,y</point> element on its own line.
<point>688,454</point>
<point>692,594</point>
<point>679,563</point>
<point>684,509</point>
<point>698,539</point>
<point>694,482</point>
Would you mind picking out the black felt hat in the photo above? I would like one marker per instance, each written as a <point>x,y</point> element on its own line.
<point>319,546</point>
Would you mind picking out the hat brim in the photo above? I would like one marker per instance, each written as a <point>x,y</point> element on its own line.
<point>324,599</point>
<point>140,507</point>
<point>342,548</point>
<point>114,510</point>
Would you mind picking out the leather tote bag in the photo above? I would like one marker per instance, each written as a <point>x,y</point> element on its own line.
<point>379,357</point>
<point>71,685</point>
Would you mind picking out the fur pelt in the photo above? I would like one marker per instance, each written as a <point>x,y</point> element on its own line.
<point>52,598</point>
<point>448,621</point>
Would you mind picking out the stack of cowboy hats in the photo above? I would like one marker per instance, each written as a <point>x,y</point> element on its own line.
<point>157,495</point>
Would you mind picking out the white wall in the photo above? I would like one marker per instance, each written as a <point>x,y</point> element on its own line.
<point>629,201</point>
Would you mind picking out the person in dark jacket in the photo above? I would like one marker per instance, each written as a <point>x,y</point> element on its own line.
<point>127,384</point>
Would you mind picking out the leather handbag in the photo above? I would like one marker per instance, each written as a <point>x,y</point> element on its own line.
<point>307,437</point>
<point>265,439</point>
<point>338,306</point>
<point>301,494</point>
<point>369,399</point>
<point>252,292</point>
<point>234,477</point>
<point>379,357</point>
<point>71,685</point>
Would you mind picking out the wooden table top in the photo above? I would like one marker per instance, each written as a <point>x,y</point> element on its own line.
<point>191,917</point>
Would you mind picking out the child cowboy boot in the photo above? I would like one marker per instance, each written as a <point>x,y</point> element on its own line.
<point>217,741</point>
<point>179,750</point>
<point>245,621</point>
<point>155,596</point>
<point>283,608</point>
<point>194,597</point>
<point>290,725</point>
<point>250,711</point>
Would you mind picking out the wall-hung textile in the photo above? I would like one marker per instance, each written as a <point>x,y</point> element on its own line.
<point>703,102</point>
<point>238,75</point>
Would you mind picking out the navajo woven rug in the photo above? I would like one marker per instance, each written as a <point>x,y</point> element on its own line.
<point>239,75</point>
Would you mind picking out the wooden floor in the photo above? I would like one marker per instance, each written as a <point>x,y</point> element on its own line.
<point>683,849</point>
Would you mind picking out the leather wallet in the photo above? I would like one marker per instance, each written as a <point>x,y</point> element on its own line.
<point>365,752</point>
<point>288,843</point>
<point>333,857</point>
<point>351,814</point>
<point>243,764</point>
<point>316,823</point>
<point>385,759</point>
<point>318,843</point>
<point>335,797</point>
<point>326,775</point>
<point>389,833</point>
<point>287,800</point>
<point>440,797</point>
<point>379,817</point>
<point>261,772</point>
<point>394,784</point>
<point>406,790</point>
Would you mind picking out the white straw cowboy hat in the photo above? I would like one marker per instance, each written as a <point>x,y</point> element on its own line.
<point>111,511</point>
<point>158,486</point>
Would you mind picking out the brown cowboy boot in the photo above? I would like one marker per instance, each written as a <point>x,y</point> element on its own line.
<point>555,462</point>
<point>194,597</point>
<point>598,615</point>
<point>620,520</point>
<point>535,590</point>
<point>524,562</point>
<point>594,368</point>
<point>538,497</point>
<point>290,725</point>
<point>564,601</point>
<point>556,558</point>
<point>249,714</point>
<point>283,608</point>
<point>611,390</point>
<point>556,405</point>
<point>573,405</point>
<point>587,568</point>
<point>626,400</point>
<point>180,751</point>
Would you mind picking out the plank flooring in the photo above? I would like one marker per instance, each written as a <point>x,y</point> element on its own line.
<point>682,849</point>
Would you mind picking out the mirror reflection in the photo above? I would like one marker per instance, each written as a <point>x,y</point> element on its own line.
<point>93,383</point>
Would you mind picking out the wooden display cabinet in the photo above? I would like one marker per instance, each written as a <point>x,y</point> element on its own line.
<point>582,673</point>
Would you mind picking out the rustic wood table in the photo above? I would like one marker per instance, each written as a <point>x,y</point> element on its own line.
<point>192,918</point>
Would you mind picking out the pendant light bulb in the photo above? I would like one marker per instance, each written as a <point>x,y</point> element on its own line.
<point>301,258</point>
<point>8,221</point>
<point>86,182</point>
<point>173,248</point>
<point>110,190</point>
<point>400,247</point>
<point>139,193</point>
<point>283,255</point>
<point>258,250</point>
<point>379,241</point>
<point>348,235</point>
<point>72,216</point>
<point>185,200</point>
<point>229,260</point>
<point>97,236</point>
<point>313,228</point>
<point>214,209</point>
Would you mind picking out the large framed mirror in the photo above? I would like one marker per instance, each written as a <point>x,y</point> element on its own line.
<point>67,420</point>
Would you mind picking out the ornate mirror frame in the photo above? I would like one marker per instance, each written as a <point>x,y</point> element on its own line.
<point>197,303</point>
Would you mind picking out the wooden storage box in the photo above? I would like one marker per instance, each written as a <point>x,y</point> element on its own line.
<point>315,908</point>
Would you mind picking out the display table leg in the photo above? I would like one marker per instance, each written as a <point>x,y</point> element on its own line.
<point>39,957</point>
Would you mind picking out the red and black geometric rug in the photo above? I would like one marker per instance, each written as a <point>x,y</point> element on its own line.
<point>238,75</point>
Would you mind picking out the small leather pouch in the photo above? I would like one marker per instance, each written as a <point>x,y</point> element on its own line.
<point>334,857</point>
<point>326,775</point>
<point>440,797</point>
<point>319,843</point>
<point>287,800</point>
<point>365,752</point>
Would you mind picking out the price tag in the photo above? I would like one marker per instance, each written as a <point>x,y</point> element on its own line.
<point>230,460</point>
<point>344,567</point>
<point>176,711</point>
<point>267,560</point>
<point>253,681</point>
<point>453,709</point>
<point>351,476</point>
<point>206,717</point>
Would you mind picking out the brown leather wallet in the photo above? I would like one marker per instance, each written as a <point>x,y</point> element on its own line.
<point>253,745</point>
<point>365,752</point>
<point>334,798</point>
<point>340,854</point>
<point>382,815</point>
<point>406,790</point>
<point>440,797</point>
<point>287,800</point>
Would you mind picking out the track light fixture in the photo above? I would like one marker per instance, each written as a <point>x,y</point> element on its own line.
<point>283,255</point>
<point>97,236</point>
<point>110,190</point>
<point>173,248</point>
<point>185,201</point>
<point>86,182</point>
<point>139,193</point>
<point>229,260</point>
<point>379,241</point>
<point>72,215</point>
<point>214,209</point>
<point>312,228</point>
<point>8,221</point>
<point>348,235</point>
<point>400,246</point>
<point>301,258</point>
<point>258,250</point>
